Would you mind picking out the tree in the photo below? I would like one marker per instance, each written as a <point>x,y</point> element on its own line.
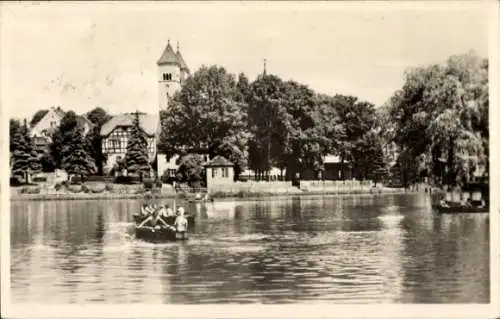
<point>205,116</point>
<point>191,170</point>
<point>70,149</point>
<point>268,122</point>
<point>441,117</point>
<point>24,158</point>
<point>357,118</point>
<point>98,117</point>
<point>137,156</point>
<point>37,117</point>
<point>76,160</point>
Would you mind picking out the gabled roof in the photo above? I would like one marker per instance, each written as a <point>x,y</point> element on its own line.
<point>219,161</point>
<point>168,56</point>
<point>149,123</point>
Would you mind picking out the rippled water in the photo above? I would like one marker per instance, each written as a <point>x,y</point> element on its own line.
<point>364,249</point>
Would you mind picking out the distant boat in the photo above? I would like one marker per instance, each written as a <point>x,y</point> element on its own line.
<point>474,205</point>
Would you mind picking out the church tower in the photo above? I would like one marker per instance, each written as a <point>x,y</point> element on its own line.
<point>172,71</point>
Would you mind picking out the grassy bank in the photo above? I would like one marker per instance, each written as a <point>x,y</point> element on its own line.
<point>242,194</point>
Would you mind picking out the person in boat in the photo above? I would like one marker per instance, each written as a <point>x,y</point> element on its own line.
<point>169,212</point>
<point>181,223</point>
<point>163,211</point>
<point>443,203</point>
<point>154,221</point>
<point>144,210</point>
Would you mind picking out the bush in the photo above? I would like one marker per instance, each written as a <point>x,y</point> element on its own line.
<point>148,184</point>
<point>15,181</point>
<point>99,178</point>
<point>127,179</point>
<point>29,190</point>
<point>243,179</point>
<point>75,188</point>
<point>58,186</point>
<point>109,187</point>
<point>75,180</point>
<point>40,179</point>
<point>85,189</point>
<point>158,184</point>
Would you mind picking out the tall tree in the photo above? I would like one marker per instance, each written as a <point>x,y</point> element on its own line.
<point>63,137</point>
<point>137,156</point>
<point>268,121</point>
<point>442,113</point>
<point>206,116</point>
<point>24,158</point>
<point>76,159</point>
<point>98,117</point>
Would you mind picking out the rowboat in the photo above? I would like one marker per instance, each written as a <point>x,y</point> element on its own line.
<point>160,233</point>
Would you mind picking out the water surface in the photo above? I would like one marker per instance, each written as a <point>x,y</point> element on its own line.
<point>352,249</point>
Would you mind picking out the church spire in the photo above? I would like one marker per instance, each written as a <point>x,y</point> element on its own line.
<point>168,56</point>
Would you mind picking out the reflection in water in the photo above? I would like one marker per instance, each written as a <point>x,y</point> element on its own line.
<point>352,249</point>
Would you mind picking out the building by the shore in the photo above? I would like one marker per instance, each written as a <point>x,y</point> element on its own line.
<point>41,132</point>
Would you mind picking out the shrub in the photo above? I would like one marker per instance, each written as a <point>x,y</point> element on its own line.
<point>97,190</point>
<point>109,187</point>
<point>127,179</point>
<point>75,188</point>
<point>148,184</point>
<point>58,186</point>
<point>15,181</point>
<point>85,188</point>
<point>158,184</point>
<point>75,180</point>
<point>29,190</point>
<point>40,179</point>
<point>243,179</point>
<point>99,178</point>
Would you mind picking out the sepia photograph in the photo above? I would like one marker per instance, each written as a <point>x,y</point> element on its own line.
<point>160,157</point>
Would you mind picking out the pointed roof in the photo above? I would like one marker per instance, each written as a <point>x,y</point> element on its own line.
<point>219,161</point>
<point>181,59</point>
<point>168,56</point>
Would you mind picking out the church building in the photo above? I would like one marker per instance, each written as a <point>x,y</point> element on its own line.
<point>172,72</point>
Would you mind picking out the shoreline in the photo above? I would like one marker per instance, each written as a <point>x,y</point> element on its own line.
<point>224,196</point>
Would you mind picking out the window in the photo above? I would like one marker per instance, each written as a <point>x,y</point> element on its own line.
<point>225,172</point>
<point>214,172</point>
<point>167,76</point>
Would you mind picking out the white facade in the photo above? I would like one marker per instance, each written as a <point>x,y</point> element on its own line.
<point>169,83</point>
<point>47,125</point>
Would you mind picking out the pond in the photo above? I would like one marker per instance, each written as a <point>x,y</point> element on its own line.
<point>341,249</point>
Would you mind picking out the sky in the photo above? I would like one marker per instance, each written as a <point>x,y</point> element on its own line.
<point>82,55</point>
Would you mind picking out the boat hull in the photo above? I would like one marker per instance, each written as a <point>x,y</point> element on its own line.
<point>156,235</point>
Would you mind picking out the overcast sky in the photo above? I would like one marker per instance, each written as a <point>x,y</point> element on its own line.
<point>104,54</point>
